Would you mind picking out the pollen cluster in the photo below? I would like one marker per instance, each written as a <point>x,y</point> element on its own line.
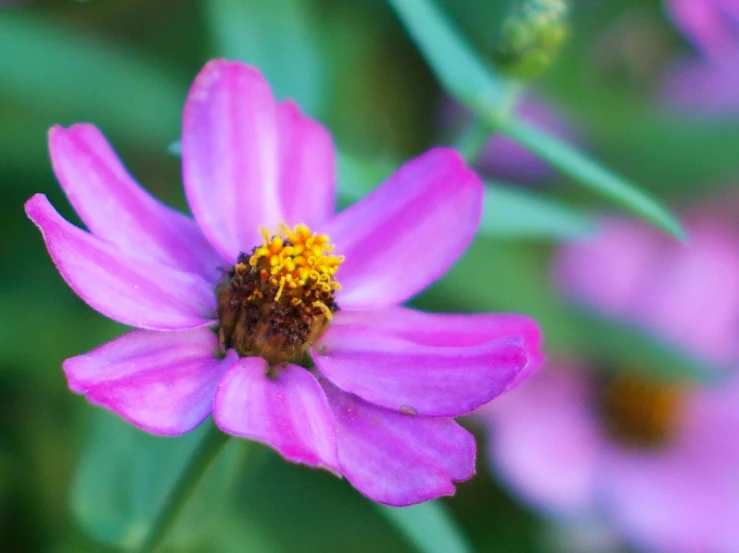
<point>277,300</point>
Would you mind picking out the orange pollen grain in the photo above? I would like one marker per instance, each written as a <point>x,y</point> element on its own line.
<point>295,258</point>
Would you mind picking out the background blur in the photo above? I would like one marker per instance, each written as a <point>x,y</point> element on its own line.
<point>126,65</point>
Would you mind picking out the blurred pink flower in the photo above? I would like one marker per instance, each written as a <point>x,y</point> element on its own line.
<point>342,378</point>
<point>711,25</point>
<point>706,84</point>
<point>661,466</point>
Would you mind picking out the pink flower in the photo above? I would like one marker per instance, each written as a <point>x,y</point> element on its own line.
<point>711,25</point>
<point>705,85</point>
<point>253,325</point>
<point>658,461</point>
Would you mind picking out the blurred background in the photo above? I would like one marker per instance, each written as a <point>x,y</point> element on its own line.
<point>615,91</point>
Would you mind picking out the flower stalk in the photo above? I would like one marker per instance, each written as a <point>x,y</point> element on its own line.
<point>206,452</point>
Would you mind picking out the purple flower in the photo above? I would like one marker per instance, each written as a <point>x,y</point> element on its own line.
<point>658,461</point>
<point>711,25</point>
<point>708,84</point>
<point>252,324</point>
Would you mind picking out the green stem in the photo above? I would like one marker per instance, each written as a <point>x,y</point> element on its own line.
<point>474,137</point>
<point>188,481</point>
<point>472,140</point>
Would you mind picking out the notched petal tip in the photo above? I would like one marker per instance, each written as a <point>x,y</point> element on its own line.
<point>161,382</point>
<point>397,459</point>
<point>437,365</point>
<point>288,412</point>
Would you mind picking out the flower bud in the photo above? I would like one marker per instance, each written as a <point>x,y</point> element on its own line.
<point>531,36</point>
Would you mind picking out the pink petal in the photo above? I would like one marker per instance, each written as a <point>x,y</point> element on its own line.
<point>432,329</point>
<point>249,161</point>
<point>692,295</point>
<point>408,232</point>
<point>128,289</point>
<point>287,411</point>
<point>682,499</point>
<point>544,441</point>
<point>707,23</point>
<point>705,88</point>
<point>398,459</point>
<point>114,207</point>
<point>162,382</point>
<point>308,167</point>
<point>230,155</point>
<point>390,370</point>
<point>606,272</point>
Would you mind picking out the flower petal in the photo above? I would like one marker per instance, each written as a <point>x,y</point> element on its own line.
<point>463,330</point>
<point>114,207</point>
<point>691,295</point>
<point>437,380</point>
<point>683,497</point>
<point>307,167</point>
<point>544,441</point>
<point>606,272</point>
<point>162,382</point>
<point>408,232</point>
<point>131,290</point>
<point>398,459</point>
<point>683,500</point>
<point>230,155</point>
<point>288,412</point>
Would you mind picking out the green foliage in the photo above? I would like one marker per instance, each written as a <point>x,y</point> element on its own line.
<point>428,526</point>
<point>464,76</point>
<point>125,477</point>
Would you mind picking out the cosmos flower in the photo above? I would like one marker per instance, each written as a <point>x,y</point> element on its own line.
<point>270,311</point>
<point>657,461</point>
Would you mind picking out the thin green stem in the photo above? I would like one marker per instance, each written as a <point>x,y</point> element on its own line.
<point>188,481</point>
<point>591,175</point>
<point>472,140</point>
<point>474,137</point>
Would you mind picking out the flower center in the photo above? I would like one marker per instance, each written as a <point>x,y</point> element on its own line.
<point>638,412</point>
<point>277,300</point>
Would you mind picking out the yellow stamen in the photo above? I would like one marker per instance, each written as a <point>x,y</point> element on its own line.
<point>297,258</point>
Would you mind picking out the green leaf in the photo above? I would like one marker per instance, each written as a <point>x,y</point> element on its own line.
<point>278,38</point>
<point>359,176</point>
<point>77,76</point>
<point>516,212</point>
<point>428,526</point>
<point>462,73</point>
<point>125,476</point>
<point>591,175</point>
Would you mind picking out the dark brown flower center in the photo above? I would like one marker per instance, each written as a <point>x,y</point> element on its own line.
<point>638,412</point>
<point>277,300</point>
